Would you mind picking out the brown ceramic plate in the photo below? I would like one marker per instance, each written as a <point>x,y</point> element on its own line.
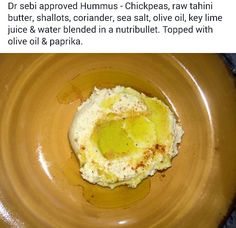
<point>40,185</point>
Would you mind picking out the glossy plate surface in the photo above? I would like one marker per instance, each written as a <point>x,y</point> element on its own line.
<point>40,185</point>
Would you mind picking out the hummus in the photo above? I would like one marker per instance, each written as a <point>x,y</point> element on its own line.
<point>121,136</point>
